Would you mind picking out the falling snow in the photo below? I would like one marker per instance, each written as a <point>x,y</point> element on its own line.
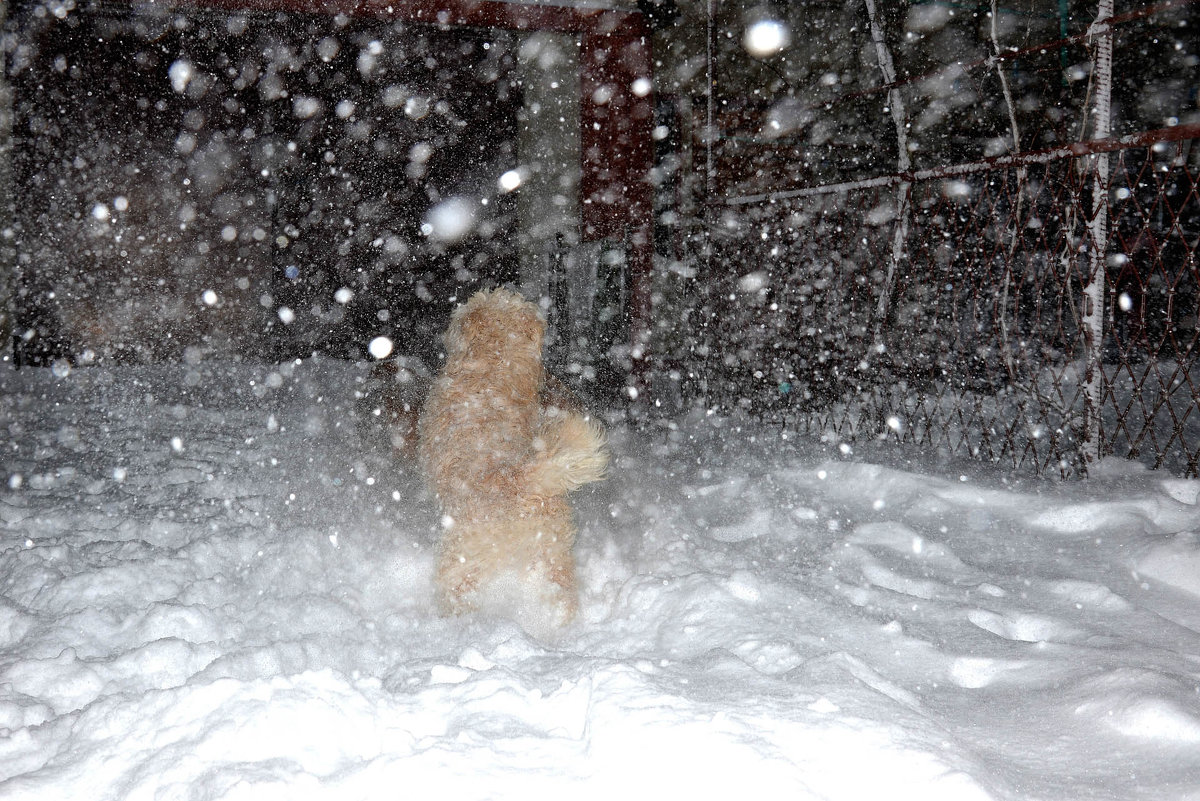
<point>790,255</point>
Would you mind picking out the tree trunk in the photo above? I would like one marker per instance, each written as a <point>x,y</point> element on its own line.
<point>1015,230</point>
<point>903,165</point>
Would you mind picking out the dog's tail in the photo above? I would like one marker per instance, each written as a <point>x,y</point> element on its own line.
<point>570,451</point>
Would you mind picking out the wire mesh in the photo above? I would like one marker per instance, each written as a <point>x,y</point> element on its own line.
<point>977,350</point>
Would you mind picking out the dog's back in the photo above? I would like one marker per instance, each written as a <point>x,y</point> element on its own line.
<point>501,456</point>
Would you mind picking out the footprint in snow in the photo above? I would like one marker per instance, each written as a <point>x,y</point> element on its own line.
<point>1087,594</point>
<point>1156,512</point>
<point>973,672</point>
<point>1143,704</point>
<point>1020,627</point>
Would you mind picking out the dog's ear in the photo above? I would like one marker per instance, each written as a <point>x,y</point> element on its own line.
<point>476,325</point>
<point>534,327</point>
<point>452,337</point>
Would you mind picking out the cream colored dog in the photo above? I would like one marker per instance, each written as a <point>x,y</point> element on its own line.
<point>501,449</point>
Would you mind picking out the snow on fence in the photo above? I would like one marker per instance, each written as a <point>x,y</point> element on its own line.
<point>983,350</point>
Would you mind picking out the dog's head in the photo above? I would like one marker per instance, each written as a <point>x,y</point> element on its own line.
<point>496,323</point>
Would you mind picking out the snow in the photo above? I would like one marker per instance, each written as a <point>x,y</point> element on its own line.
<point>380,347</point>
<point>215,584</point>
<point>450,220</point>
<point>766,37</point>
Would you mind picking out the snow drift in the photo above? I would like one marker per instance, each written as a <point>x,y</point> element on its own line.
<point>215,584</point>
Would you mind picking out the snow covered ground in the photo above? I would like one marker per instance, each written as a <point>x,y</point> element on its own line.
<point>215,584</point>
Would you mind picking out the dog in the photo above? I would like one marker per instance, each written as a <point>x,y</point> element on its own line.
<point>501,446</point>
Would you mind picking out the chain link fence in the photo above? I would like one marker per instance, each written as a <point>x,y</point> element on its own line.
<point>1037,310</point>
<point>975,345</point>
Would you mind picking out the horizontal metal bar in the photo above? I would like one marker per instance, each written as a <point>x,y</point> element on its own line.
<point>1074,150</point>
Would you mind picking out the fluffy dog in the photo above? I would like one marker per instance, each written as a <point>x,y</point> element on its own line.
<point>501,447</point>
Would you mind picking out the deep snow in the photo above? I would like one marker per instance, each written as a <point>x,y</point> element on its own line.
<point>215,584</point>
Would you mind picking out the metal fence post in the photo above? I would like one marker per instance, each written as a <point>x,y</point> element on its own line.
<point>1092,320</point>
